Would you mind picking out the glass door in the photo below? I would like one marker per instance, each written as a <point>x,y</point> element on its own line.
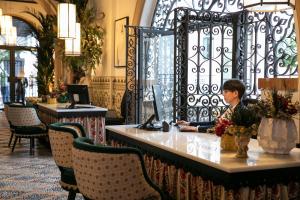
<point>4,76</point>
<point>25,74</point>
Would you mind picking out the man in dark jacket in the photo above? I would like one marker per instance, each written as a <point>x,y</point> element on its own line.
<point>233,91</point>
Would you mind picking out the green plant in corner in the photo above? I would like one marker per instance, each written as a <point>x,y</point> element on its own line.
<point>91,40</point>
<point>46,35</point>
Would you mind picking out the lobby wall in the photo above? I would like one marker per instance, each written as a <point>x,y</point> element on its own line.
<point>108,82</point>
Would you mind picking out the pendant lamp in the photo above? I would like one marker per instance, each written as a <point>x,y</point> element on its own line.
<point>73,46</point>
<point>268,5</point>
<point>6,24</point>
<point>11,38</point>
<point>66,20</point>
<point>1,13</point>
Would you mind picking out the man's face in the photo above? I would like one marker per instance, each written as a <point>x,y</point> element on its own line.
<point>230,96</point>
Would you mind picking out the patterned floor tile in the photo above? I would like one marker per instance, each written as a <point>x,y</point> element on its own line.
<point>24,176</point>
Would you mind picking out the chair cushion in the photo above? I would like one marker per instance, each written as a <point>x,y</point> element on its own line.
<point>67,175</point>
<point>30,130</point>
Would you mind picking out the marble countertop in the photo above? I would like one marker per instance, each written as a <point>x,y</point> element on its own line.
<point>205,148</point>
<point>62,108</point>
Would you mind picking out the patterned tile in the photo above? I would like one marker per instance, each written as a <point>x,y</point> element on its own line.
<point>24,176</point>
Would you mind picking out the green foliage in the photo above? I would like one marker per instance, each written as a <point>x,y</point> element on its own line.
<point>244,116</point>
<point>277,106</point>
<point>290,56</point>
<point>46,35</point>
<point>91,39</point>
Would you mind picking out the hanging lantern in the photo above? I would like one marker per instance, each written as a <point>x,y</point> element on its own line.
<point>268,5</point>
<point>66,20</point>
<point>11,38</point>
<point>6,24</point>
<point>73,46</point>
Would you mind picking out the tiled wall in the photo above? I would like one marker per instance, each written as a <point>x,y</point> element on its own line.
<point>107,92</point>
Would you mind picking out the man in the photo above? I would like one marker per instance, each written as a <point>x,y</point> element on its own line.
<point>233,91</point>
<point>21,85</point>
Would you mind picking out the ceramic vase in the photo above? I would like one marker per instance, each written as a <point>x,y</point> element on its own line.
<point>242,146</point>
<point>227,143</point>
<point>277,136</point>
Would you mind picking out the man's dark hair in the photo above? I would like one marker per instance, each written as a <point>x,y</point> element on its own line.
<point>235,85</point>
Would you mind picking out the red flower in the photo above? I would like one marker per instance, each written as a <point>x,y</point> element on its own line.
<point>221,126</point>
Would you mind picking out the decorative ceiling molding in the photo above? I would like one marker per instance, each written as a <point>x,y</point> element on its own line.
<point>22,1</point>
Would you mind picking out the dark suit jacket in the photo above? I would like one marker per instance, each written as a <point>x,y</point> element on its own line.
<point>203,126</point>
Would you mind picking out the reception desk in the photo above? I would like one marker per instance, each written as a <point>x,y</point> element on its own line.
<point>192,166</point>
<point>92,119</point>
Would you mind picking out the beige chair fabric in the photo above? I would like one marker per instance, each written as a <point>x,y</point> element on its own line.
<point>25,123</point>
<point>111,176</point>
<point>23,116</point>
<point>61,136</point>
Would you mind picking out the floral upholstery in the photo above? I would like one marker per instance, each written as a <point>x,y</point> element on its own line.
<point>104,172</point>
<point>25,123</point>
<point>61,137</point>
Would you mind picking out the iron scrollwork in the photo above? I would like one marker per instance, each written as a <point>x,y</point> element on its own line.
<point>213,41</point>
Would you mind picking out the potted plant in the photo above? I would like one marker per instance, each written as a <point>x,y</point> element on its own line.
<point>227,139</point>
<point>277,132</point>
<point>46,35</point>
<point>240,125</point>
<point>91,41</point>
<point>243,125</point>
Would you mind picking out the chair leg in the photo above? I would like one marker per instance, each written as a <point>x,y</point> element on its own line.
<point>15,141</point>
<point>71,195</point>
<point>19,140</point>
<point>10,139</point>
<point>31,145</point>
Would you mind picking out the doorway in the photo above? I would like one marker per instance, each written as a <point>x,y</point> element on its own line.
<point>17,62</point>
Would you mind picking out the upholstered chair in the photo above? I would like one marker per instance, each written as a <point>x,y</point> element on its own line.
<point>105,172</point>
<point>6,105</point>
<point>61,136</point>
<point>25,123</point>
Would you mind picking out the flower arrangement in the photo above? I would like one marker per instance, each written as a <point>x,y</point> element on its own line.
<point>60,92</point>
<point>243,121</point>
<point>277,106</point>
<point>221,126</point>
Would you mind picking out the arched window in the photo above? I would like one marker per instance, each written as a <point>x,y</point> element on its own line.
<point>196,45</point>
<point>18,61</point>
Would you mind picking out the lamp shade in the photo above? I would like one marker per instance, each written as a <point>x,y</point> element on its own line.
<point>268,5</point>
<point>6,24</point>
<point>73,46</point>
<point>66,20</point>
<point>11,38</point>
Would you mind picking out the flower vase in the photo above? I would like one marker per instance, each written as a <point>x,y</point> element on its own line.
<point>277,136</point>
<point>227,143</point>
<point>242,142</point>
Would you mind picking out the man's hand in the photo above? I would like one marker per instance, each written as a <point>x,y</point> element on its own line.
<point>182,123</point>
<point>188,129</point>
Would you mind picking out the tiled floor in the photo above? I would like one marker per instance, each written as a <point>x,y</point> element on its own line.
<point>23,176</point>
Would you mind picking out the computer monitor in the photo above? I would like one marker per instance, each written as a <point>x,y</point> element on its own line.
<point>158,111</point>
<point>157,102</point>
<point>78,94</point>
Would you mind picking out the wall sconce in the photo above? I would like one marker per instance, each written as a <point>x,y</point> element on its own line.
<point>268,5</point>
<point>66,20</point>
<point>73,46</point>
